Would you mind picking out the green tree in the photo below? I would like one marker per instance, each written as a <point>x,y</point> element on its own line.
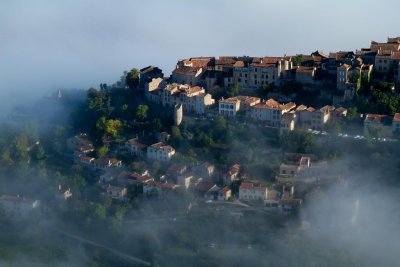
<point>113,128</point>
<point>38,152</point>
<point>142,112</point>
<point>102,151</point>
<point>132,79</point>
<point>264,90</point>
<point>124,108</point>
<point>297,59</point>
<point>233,90</point>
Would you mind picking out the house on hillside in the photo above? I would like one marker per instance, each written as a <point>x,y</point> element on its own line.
<point>230,106</point>
<point>149,73</point>
<point>116,192</point>
<point>160,151</point>
<point>80,142</point>
<point>305,75</point>
<point>270,112</point>
<point>17,207</point>
<point>251,192</point>
<point>396,124</point>
<point>104,163</point>
<point>135,147</point>
<point>231,175</point>
<point>377,124</point>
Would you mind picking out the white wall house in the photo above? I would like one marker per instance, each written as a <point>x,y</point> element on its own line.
<point>248,191</point>
<point>160,151</point>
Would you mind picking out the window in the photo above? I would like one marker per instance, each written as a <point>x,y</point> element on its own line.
<point>255,69</point>
<point>245,75</point>
<point>255,76</point>
<point>245,81</point>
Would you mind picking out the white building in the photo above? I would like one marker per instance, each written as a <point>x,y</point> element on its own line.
<point>118,193</point>
<point>230,106</point>
<point>135,147</point>
<point>160,151</point>
<point>192,98</point>
<point>248,191</point>
<point>270,111</point>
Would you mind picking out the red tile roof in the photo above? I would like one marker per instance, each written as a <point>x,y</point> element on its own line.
<point>396,117</point>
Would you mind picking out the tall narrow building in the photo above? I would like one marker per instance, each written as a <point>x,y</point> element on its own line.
<point>178,114</point>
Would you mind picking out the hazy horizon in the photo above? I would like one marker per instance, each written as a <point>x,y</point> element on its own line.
<point>79,44</point>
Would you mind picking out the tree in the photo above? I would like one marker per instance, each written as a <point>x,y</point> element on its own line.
<point>176,134</point>
<point>113,128</point>
<point>38,152</point>
<point>132,79</point>
<point>124,108</point>
<point>102,151</point>
<point>354,77</point>
<point>264,89</point>
<point>297,59</point>
<point>142,112</point>
<point>233,90</point>
<point>297,141</point>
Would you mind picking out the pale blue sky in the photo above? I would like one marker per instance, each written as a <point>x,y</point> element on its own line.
<point>78,44</point>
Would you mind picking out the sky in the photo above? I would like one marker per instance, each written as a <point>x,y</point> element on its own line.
<point>51,44</point>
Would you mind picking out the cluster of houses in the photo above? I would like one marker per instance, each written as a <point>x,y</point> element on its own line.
<point>202,179</point>
<point>193,99</point>
<point>387,125</point>
<point>284,116</point>
<point>252,72</point>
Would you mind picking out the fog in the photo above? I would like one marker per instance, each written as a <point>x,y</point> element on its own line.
<point>51,45</point>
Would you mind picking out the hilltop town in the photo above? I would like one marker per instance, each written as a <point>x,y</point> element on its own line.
<point>319,95</point>
<point>239,134</point>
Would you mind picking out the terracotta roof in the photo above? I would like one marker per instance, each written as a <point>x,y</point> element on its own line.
<point>396,55</point>
<point>263,65</point>
<point>136,143</point>
<point>201,62</point>
<point>345,66</point>
<point>225,61</point>
<point>327,109</point>
<point>162,146</point>
<point>340,110</point>
<point>307,70</point>
<point>396,117</point>
<point>301,107</point>
<point>248,99</point>
<point>239,64</point>
<point>270,60</point>
<point>148,69</point>
<point>273,104</point>
<point>185,70</point>
<point>375,118</point>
